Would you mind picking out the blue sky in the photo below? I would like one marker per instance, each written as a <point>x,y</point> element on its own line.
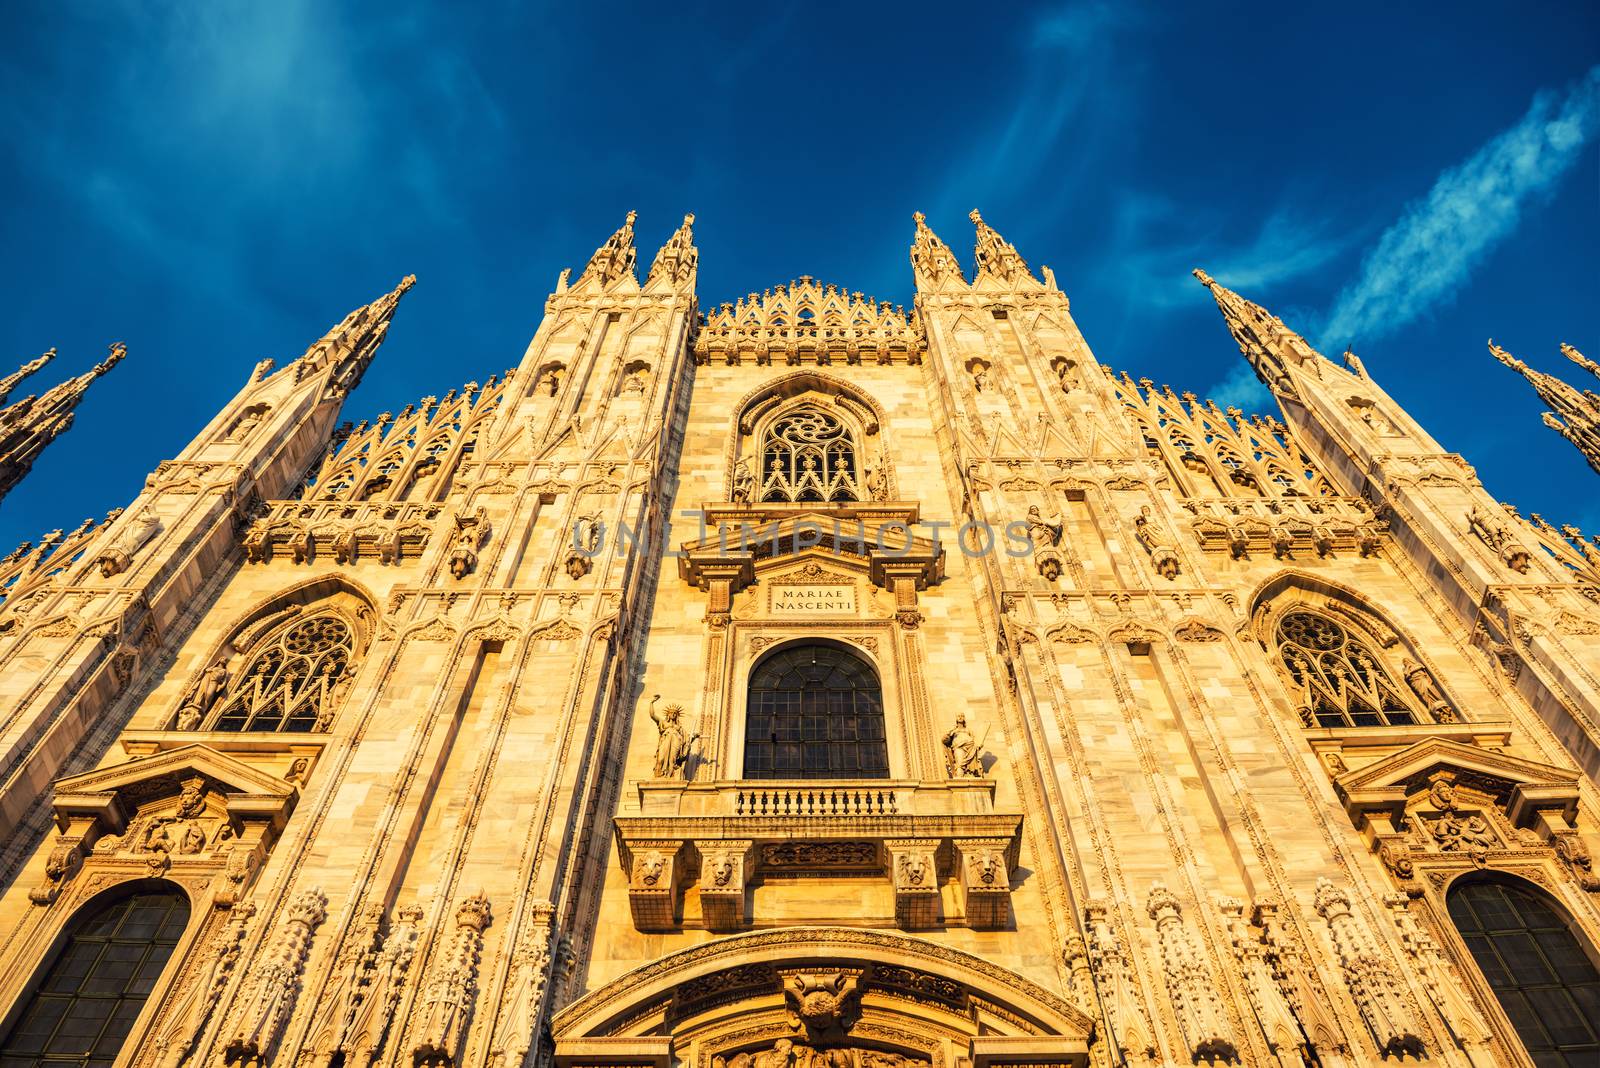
<point>217,182</point>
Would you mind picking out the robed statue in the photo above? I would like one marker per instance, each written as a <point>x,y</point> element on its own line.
<point>672,744</point>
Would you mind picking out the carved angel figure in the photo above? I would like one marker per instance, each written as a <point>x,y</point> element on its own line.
<point>672,744</point>
<point>963,751</point>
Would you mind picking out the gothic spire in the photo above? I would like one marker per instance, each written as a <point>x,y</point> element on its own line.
<point>1269,346</point>
<point>27,426</point>
<point>9,382</point>
<point>995,256</point>
<point>1566,350</point>
<point>1577,412</point>
<point>615,258</point>
<point>348,348</point>
<point>930,257</point>
<point>678,257</point>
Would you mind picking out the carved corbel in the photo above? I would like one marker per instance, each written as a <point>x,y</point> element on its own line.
<point>902,581</point>
<point>914,869</point>
<point>653,884</point>
<point>344,547</point>
<point>1554,826</point>
<point>81,819</point>
<point>258,544</point>
<point>724,870</point>
<point>985,881</point>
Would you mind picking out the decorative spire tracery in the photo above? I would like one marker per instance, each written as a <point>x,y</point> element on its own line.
<point>1576,414</point>
<point>9,383</point>
<point>615,258</point>
<point>678,258</point>
<point>1266,343</point>
<point>931,257</point>
<point>349,347</point>
<point>27,426</point>
<point>995,256</point>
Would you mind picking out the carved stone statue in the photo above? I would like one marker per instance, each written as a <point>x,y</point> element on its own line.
<point>1156,542</point>
<point>877,486</point>
<point>1045,535</point>
<point>672,744</point>
<point>247,423</point>
<point>139,529</point>
<point>213,681</point>
<point>1426,689</point>
<point>963,751</point>
<point>744,483</point>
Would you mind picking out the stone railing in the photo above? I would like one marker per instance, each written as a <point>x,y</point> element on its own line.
<point>724,835</point>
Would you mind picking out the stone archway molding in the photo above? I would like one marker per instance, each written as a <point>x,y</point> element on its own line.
<point>703,1004</point>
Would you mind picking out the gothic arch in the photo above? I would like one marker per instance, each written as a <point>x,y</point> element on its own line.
<point>899,1000</point>
<point>345,605</point>
<point>1402,673</point>
<point>861,417</point>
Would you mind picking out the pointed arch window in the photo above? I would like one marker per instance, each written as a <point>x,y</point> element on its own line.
<point>815,712</point>
<point>91,992</point>
<point>808,455</point>
<point>291,680</point>
<point>1339,680</point>
<point>1537,965</point>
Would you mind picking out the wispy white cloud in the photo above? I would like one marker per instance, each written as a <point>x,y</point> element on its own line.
<point>1240,388</point>
<point>1070,55</point>
<point>1425,257</point>
<point>1154,261</point>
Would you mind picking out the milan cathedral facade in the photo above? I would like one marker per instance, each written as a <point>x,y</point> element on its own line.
<point>803,682</point>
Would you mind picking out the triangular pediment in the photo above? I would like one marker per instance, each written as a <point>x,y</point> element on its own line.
<point>117,792</point>
<point>1518,782</point>
<point>229,773</point>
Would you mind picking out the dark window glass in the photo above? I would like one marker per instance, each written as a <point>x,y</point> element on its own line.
<point>815,712</point>
<point>83,1008</point>
<point>1545,982</point>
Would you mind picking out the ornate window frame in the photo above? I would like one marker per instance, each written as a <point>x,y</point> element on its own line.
<point>206,696</point>
<point>191,816</point>
<point>859,417</point>
<point>1441,810</point>
<point>1407,670</point>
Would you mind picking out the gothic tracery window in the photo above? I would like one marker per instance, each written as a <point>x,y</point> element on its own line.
<point>808,455</point>
<point>90,993</point>
<point>291,681</point>
<point>1535,963</point>
<point>1339,680</point>
<point>815,712</point>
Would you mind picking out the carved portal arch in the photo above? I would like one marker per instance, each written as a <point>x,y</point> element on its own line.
<point>1546,994</point>
<point>1341,661</point>
<point>820,997</point>
<point>287,665</point>
<point>808,438</point>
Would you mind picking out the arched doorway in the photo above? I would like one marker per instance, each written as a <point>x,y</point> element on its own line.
<point>1538,965</point>
<point>91,991</point>
<point>820,997</point>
